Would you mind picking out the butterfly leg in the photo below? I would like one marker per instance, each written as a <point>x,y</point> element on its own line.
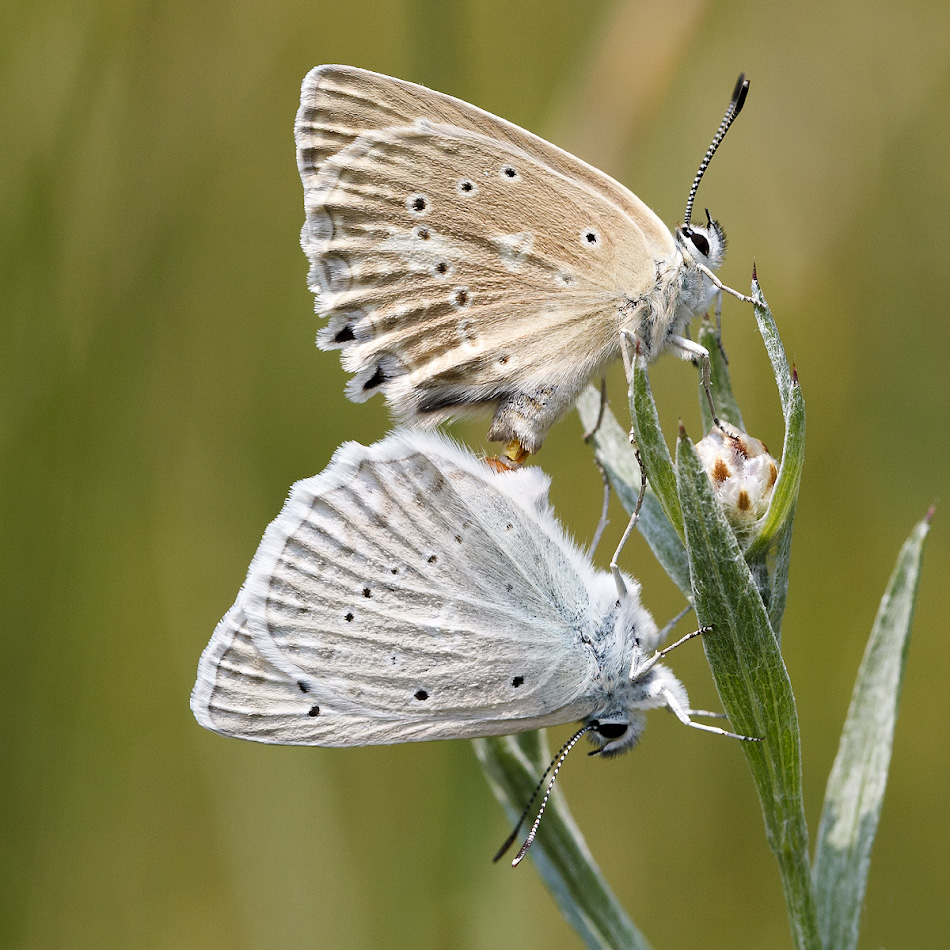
<point>639,669</point>
<point>603,522</point>
<point>693,351</point>
<point>592,431</point>
<point>626,340</point>
<point>722,349</point>
<point>670,625</point>
<point>720,286</point>
<point>683,715</point>
<point>705,713</point>
<point>588,435</point>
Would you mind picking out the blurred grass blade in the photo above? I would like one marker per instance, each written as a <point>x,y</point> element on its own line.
<point>785,494</point>
<point>752,682</point>
<point>721,385</point>
<point>513,765</point>
<point>858,778</point>
<point>656,456</point>
<point>614,452</point>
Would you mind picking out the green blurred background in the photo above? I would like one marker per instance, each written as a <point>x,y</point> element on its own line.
<point>161,390</point>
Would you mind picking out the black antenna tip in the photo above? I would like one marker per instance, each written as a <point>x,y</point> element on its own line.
<point>739,94</point>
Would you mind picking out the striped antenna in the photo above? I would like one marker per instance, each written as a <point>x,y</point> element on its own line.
<point>555,764</point>
<point>735,107</point>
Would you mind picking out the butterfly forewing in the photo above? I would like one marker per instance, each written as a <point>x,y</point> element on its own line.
<point>398,588</point>
<point>340,103</point>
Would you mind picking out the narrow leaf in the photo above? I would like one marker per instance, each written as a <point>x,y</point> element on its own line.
<point>614,452</point>
<point>752,682</point>
<point>778,591</point>
<point>858,778</point>
<point>773,346</point>
<point>513,765</point>
<point>656,456</point>
<point>785,494</point>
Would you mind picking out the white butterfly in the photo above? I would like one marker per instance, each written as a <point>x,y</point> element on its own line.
<point>412,592</point>
<point>464,262</point>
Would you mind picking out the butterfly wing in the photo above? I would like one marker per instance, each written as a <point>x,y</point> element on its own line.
<point>409,592</point>
<point>462,261</point>
<point>338,104</point>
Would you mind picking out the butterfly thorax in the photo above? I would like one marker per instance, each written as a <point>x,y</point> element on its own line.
<point>680,293</point>
<point>629,632</point>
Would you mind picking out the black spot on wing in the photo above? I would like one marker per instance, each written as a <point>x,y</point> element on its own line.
<point>377,379</point>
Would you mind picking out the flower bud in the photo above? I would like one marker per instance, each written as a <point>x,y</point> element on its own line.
<point>742,474</point>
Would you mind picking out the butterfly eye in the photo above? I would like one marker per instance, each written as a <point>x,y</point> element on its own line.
<point>699,242</point>
<point>611,730</point>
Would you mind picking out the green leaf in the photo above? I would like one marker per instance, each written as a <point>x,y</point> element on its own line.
<point>616,455</point>
<point>721,385</point>
<point>858,778</point>
<point>513,765</point>
<point>773,346</point>
<point>785,493</point>
<point>778,588</point>
<point>752,682</point>
<point>656,456</point>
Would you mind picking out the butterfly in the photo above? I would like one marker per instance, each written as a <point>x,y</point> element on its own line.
<point>413,592</point>
<point>464,263</point>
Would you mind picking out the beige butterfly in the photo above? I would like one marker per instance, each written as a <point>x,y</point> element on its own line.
<point>463,262</point>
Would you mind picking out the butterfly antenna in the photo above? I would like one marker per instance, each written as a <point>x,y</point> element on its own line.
<point>555,764</point>
<point>735,107</point>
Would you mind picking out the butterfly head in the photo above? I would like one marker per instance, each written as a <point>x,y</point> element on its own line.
<point>615,733</point>
<point>706,243</point>
<point>619,722</point>
<point>618,728</point>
